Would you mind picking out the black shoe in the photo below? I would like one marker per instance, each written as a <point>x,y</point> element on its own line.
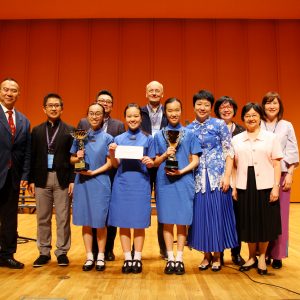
<point>110,256</point>
<point>277,264</point>
<point>62,260</point>
<point>247,268</point>
<point>262,272</point>
<point>11,263</point>
<point>237,260</point>
<point>88,267</point>
<point>179,268</point>
<point>41,260</point>
<point>268,261</point>
<point>100,267</point>
<point>216,268</point>
<point>203,267</point>
<point>127,267</point>
<point>170,267</point>
<point>137,266</point>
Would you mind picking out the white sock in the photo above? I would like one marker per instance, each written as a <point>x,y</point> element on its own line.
<point>100,259</point>
<point>179,256</point>
<point>127,256</point>
<point>170,255</point>
<point>89,258</point>
<point>137,255</point>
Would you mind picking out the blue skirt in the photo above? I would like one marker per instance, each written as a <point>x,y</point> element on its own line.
<point>213,228</point>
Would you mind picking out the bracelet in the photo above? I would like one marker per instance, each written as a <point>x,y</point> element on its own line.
<point>290,172</point>
<point>277,184</point>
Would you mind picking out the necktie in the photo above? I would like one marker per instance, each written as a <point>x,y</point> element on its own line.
<point>11,123</point>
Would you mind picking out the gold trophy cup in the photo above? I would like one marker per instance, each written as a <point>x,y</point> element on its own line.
<point>173,139</point>
<point>80,135</point>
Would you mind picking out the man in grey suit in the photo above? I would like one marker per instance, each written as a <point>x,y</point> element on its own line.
<point>14,169</point>
<point>113,127</point>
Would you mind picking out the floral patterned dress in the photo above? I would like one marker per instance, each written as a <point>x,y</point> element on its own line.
<point>213,227</point>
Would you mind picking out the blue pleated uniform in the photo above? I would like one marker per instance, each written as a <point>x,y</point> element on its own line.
<point>175,194</point>
<point>92,194</point>
<point>130,205</point>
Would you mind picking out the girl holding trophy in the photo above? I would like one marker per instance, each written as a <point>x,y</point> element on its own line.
<point>92,189</point>
<point>177,154</point>
<point>130,205</point>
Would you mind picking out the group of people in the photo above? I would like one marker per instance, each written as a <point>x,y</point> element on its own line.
<point>218,182</point>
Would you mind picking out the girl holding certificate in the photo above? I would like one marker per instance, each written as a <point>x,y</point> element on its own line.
<point>175,187</point>
<point>130,205</point>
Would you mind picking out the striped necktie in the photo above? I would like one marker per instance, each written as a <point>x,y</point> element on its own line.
<point>11,123</point>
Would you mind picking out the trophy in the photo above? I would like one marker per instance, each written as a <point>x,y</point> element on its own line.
<point>80,135</point>
<point>173,139</point>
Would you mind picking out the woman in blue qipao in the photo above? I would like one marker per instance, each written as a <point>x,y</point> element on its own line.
<point>175,188</point>
<point>130,205</point>
<point>92,189</point>
<point>213,228</point>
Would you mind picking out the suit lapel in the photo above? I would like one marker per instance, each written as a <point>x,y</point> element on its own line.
<point>3,120</point>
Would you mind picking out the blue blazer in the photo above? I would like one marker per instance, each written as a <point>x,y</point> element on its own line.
<point>17,152</point>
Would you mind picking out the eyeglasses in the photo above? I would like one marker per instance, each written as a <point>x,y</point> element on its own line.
<point>152,91</point>
<point>251,116</point>
<point>96,114</point>
<point>225,107</point>
<point>56,106</point>
<point>107,101</point>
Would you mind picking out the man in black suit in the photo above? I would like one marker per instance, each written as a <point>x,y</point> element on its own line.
<point>14,169</point>
<point>51,180</point>
<point>154,119</point>
<point>113,127</point>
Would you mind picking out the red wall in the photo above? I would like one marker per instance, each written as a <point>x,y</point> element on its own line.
<point>76,58</point>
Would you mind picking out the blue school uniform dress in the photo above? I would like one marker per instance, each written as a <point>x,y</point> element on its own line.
<point>91,195</point>
<point>130,205</point>
<point>175,194</point>
<point>213,227</point>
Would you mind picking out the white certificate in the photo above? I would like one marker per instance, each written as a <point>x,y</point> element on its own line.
<point>129,152</point>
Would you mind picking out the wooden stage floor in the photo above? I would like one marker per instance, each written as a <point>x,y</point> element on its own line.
<point>54,282</point>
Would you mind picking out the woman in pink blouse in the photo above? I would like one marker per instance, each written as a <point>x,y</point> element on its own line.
<point>256,186</point>
<point>273,113</point>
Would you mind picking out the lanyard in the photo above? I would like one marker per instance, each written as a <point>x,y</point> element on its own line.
<point>50,142</point>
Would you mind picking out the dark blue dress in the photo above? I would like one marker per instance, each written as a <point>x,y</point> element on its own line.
<point>92,193</point>
<point>175,194</point>
<point>130,205</point>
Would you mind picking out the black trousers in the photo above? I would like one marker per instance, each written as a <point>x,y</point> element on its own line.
<point>110,240</point>
<point>9,197</point>
<point>236,250</point>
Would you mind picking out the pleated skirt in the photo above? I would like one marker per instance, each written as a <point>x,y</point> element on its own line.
<point>259,218</point>
<point>213,228</point>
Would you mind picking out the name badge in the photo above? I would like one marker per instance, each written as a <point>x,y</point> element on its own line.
<point>50,161</point>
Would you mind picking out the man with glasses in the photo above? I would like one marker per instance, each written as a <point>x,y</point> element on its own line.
<point>113,127</point>
<point>14,169</point>
<point>51,180</point>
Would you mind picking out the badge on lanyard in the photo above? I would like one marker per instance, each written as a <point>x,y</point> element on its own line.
<point>50,161</point>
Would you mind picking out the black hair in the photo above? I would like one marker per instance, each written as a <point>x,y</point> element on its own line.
<point>132,105</point>
<point>269,97</point>
<point>204,94</point>
<point>224,99</point>
<point>250,105</point>
<point>105,92</point>
<point>53,95</point>
<point>171,100</point>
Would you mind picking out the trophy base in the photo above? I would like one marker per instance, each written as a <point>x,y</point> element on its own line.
<point>171,165</point>
<point>81,166</point>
